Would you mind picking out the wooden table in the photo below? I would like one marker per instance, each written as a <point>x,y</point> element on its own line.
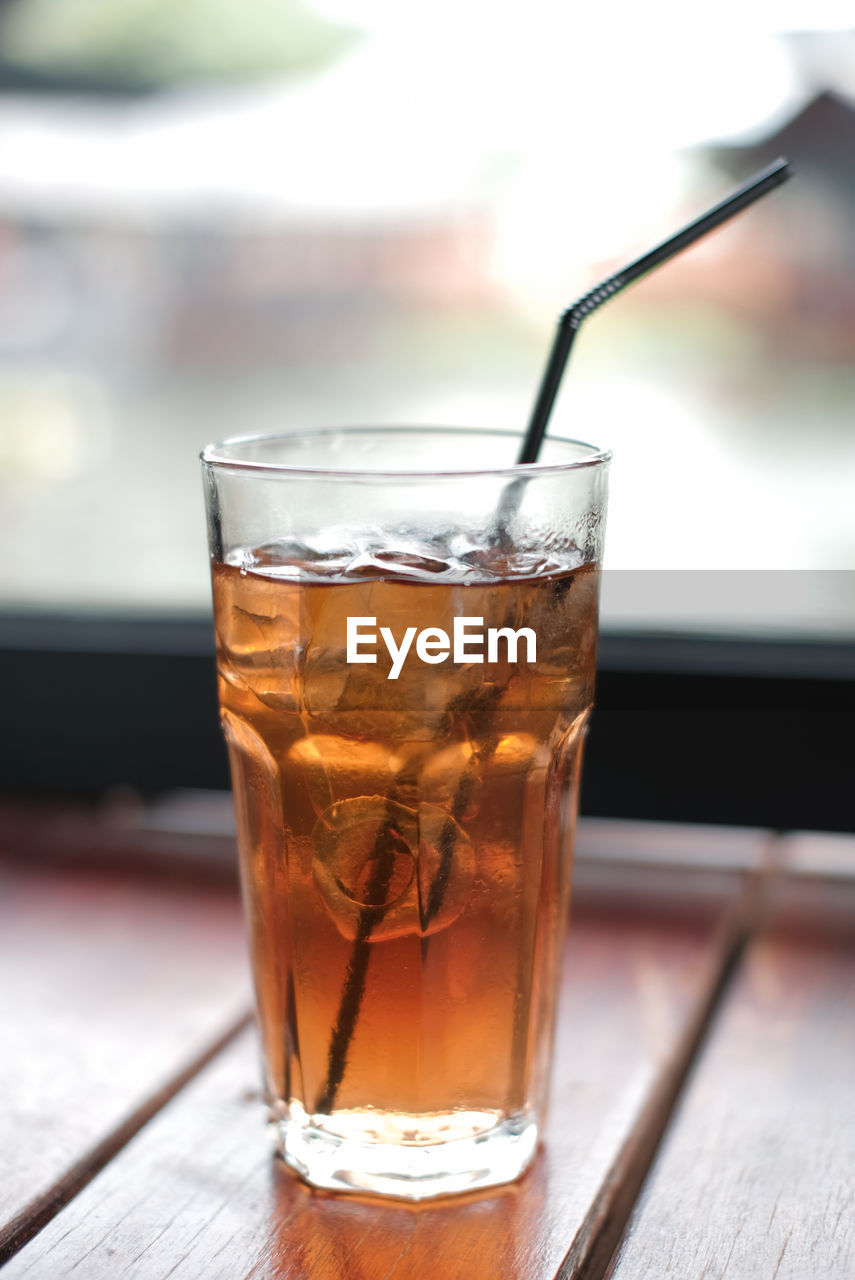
<point>703,1118</point>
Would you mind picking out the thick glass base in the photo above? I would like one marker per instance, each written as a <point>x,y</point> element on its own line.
<point>411,1157</point>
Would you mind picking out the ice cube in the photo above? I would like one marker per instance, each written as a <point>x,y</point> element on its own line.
<point>448,779</point>
<point>564,615</point>
<point>335,768</point>
<point>403,562</point>
<point>386,870</point>
<point>257,796</point>
<point>360,698</point>
<point>364,866</point>
<point>257,629</point>
<point>326,554</point>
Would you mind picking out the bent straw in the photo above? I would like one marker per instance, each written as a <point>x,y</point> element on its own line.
<point>353,989</point>
<point>570,320</point>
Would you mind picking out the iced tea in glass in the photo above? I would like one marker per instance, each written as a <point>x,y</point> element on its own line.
<point>406,645</point>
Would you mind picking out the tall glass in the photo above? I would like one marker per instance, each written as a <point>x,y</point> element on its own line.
<point>406,630</point>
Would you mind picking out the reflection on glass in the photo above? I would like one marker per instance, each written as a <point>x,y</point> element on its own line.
<point>343,211</point>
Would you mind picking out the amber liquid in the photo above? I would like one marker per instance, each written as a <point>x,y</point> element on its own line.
<point>405,844</point>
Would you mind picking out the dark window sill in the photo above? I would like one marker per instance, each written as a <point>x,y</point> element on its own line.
<point>686,728</point>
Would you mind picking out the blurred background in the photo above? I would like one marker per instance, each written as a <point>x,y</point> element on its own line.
<point>231,216</point>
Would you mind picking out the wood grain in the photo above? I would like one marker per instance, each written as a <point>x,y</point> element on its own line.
<point>196,1193</point>
<point>113,986</point>
<point>757,1175</point>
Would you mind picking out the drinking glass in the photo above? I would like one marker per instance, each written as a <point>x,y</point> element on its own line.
<point>406,631</point>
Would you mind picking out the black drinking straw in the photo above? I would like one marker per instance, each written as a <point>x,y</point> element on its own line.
<point>570,320</point>
<point>353,989</point>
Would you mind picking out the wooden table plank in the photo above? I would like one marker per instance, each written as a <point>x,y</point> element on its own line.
<point>113,985</point>
<point>197,1193</point>
<point>757,1176</point>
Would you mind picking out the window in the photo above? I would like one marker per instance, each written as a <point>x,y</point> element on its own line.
<point>338,211</point>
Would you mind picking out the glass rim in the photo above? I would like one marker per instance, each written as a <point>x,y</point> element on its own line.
<point>212,455</point>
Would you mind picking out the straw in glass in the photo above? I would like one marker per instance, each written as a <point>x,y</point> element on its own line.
<point>383,854</point>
